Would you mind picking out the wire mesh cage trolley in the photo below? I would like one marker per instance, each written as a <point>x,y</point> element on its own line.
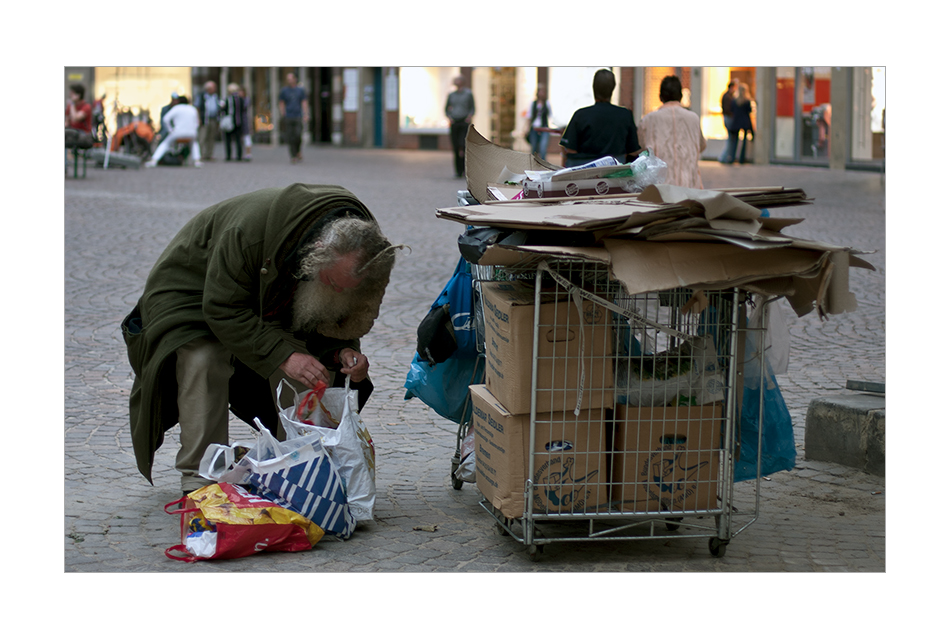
<point>609,416</point>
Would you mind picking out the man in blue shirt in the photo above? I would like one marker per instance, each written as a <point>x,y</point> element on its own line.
<point>600,129</point>
<point>294,115</point>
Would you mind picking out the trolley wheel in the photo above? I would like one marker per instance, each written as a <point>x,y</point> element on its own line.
<point>534,552</point>
<point>673,524</point>
<point>717,547</point>
<point>456,482</point>
<point>500,529</point>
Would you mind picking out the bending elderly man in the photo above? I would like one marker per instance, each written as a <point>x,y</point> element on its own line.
<point>281,282</point>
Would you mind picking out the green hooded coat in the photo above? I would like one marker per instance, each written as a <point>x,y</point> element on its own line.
<point>227,273</point>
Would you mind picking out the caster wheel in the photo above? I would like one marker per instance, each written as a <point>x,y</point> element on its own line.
<point>673,524</point>
<point>500,529</point>
<point>717,547</point>
<point>534,552</point>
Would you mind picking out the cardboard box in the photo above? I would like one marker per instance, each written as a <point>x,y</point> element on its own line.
<point>570,458</point>
<point>534,189</point>
<point>509,339</point>
<point>666,459</point>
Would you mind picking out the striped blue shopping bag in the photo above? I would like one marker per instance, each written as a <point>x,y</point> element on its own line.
<point>313,489</point>
<point>298,475</point>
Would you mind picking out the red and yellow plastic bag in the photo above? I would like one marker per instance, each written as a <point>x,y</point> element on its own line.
<point>227,521</point>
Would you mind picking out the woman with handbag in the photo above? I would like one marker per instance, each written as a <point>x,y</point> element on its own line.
<point>232,122</point>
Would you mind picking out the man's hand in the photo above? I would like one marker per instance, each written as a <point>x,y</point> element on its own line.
<point>354,364</point>
<point>306,369</point>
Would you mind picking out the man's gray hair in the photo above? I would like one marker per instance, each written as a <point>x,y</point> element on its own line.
<point>348,235</point>
<point>350,313</point>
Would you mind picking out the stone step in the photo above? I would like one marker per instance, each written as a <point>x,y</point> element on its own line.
<point>847,429</point>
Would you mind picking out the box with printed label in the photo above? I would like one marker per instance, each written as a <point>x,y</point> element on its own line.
<point>534,189</point>
<point>574,348</point>
<point>666,459</point>
<point>570,459</point>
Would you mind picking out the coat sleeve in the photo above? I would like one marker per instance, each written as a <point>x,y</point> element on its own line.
<point>232,304</point>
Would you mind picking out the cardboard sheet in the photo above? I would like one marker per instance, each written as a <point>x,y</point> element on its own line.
<point>665,237</point>
<point>574,216</point>
<point>486,162</point>
<point>711,204</point>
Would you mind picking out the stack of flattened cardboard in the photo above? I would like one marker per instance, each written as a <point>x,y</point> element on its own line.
<point>664,237</point>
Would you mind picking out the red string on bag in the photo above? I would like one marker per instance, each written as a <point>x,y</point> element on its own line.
<point>310,402</point>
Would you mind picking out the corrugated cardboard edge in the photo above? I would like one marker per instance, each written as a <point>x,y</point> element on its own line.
<point>484,162</point>
<point>811,278</point>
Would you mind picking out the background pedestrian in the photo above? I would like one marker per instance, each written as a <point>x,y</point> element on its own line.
<point>601,129</point>
<point>293,115</point>
<point>539,120</point>
<point>247,128</point>
<point>459,108</point>
<point>741,122</point>
<point>234,107</point>
<point>674,134</point>
<point>209,109</point>
<point>728,97</point>
<point>78,111</point>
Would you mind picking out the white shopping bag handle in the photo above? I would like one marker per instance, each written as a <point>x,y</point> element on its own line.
<point>280,386</point>
<point>209,462</point>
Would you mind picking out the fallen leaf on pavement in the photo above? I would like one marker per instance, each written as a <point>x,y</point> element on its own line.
<point>425,528</point>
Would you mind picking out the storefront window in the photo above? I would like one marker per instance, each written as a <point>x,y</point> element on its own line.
<point>137,93</point>
<point>260,98</point>
<point>571,88</point>
<point>814,90</point>
<point>802,113</point>
<point>715,83</point>
<point>422,93</point>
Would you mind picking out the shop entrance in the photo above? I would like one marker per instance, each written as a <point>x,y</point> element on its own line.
<point>803,114</point>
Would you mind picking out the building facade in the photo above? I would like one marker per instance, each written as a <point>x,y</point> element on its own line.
<point>403,107</point>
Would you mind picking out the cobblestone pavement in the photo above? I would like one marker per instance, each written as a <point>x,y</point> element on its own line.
<point>816,517</point>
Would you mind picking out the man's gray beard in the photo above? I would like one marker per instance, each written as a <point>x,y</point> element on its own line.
<point>340,315</point>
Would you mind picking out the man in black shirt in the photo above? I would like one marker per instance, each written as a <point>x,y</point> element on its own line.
<point>600,129</point>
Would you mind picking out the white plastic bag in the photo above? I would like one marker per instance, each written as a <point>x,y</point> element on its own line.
<point>648,169</point>
<point>347,441</point>
<point>466,469</point>
<point>232,464</point>
<point>219,462</point>
<point>777,341</point>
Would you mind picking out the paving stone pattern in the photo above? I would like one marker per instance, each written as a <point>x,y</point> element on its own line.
<point>817,517</point>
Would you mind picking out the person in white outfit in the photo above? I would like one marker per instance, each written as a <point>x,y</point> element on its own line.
<point>182,123</point>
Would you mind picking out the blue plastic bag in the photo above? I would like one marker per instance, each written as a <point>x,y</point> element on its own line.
<point>458,294</point>
<point>444,386</point>
<point>778,438</point>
